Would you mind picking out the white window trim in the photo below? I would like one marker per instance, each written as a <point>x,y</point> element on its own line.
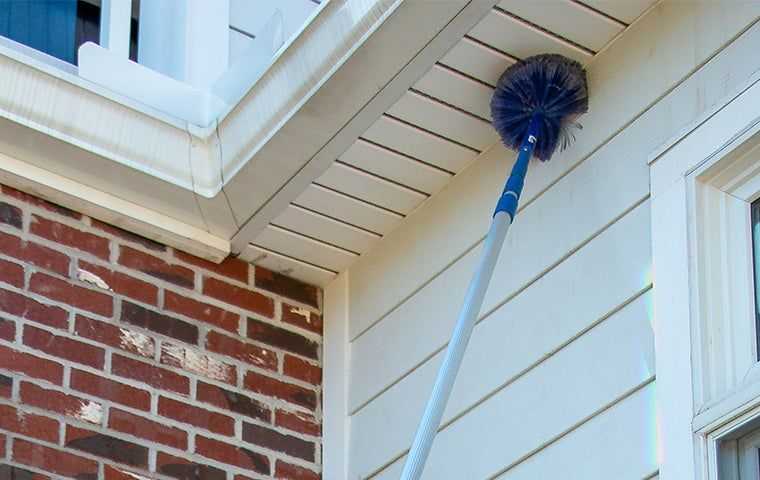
<point>697,180</point>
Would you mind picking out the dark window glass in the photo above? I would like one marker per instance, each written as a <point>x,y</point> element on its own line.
<point>755,209</point>
<point>55,27</point>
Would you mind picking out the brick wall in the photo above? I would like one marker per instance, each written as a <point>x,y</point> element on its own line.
<point>123,359</point>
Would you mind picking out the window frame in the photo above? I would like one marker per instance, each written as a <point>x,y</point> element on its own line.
<point>708,377</point>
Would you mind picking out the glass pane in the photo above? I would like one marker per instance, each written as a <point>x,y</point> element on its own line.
<point>755,209</point>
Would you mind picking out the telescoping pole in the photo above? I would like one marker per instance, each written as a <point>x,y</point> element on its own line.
<point>502,219</point>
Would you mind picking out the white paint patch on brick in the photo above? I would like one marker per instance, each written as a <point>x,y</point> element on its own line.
<point>136,341</point>
<point>306,314</point>
<point>129,474</point>
<point>92,279</point>
<point>196,362</point>
<point>89,412</point>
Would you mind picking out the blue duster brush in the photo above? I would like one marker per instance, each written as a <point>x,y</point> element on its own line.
<point>534,107</point>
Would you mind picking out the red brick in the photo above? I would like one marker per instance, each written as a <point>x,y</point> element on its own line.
<point>113,336</point>
<point>52,460</point>
<point>224,452</point>
<point>33,253</point>
<point>279,442</point>
<point>76,296</point>
<point>2,445</point>
<point>118,473</point>
<point>120,283</point>
<point>154,376</point>
<point>192,360</point>
<point>201,418</point>
<point>61,403</point>
<point>242,477</point>
<point>63,347</point>
<point>232,401</point>
<point>30,365</point>
<point>105,446</point>
<point>70,236</point>
<point>6,387</point>
<point>286,286</point>
<point>128,236</point>
<point>39,202</point>
<point>297,422</point>
<point>29,309</point>
<point>9,472</point>
<point>231,267</point>
<point>285,391</point>
<point>201,311</point>
<point>302,317</point>
<point>242,297</point>
<point>282,338</point>
<point>7,329</point>
<point>28,424</point>
<point>249,353</point>
<point>152,320</point>
<point>11,273</point>
<point>126,422</point>
<point>13,473</point>
<point>286,471</point>
<point>184,469</point>
<point>302,370</point>
<point>107,389</point>
<point>156,267</point>
<point>11,215</point>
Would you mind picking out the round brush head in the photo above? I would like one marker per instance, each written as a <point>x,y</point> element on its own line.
<point>550,86</point>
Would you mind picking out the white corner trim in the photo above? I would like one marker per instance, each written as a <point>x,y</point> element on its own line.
<point>335,419</point>
<point>109,208</point>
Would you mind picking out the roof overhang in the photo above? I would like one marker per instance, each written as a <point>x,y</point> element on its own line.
<point>208,189</point>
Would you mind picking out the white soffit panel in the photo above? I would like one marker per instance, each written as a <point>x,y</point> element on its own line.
<point>441,124</point>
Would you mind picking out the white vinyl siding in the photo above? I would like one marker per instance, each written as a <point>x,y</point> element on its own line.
<point>563,354</point>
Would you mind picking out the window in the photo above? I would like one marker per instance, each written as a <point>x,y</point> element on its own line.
<point>56,27</point>
<point>755,213</point>
<point>705,247</point>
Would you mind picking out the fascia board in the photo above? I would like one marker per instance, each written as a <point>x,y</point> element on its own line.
<point>112,209</point>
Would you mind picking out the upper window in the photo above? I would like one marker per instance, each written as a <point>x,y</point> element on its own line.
<point>56,27</point>
<point>755,214</point>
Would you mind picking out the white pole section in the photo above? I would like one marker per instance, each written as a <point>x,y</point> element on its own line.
<point>115,25</point>
<point>447,373</point>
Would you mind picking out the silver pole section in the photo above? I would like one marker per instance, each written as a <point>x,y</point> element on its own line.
<point>431,419</point>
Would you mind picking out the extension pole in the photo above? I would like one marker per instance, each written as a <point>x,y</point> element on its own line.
<point>502,219</point>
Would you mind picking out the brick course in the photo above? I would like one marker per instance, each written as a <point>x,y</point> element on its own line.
<point>121,358</point>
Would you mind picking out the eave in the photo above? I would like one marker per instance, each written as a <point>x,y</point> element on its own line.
<point>363,117</point>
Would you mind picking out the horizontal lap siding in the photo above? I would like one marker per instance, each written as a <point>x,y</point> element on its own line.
<point>563,354</point>
<point>448,227</point>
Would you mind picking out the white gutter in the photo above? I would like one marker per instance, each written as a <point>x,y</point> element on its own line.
<point>297,71</point>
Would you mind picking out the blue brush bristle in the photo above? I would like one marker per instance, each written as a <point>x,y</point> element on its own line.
<point>550,86</point>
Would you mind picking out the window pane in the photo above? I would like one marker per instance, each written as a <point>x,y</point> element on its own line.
<point>756,257</point>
